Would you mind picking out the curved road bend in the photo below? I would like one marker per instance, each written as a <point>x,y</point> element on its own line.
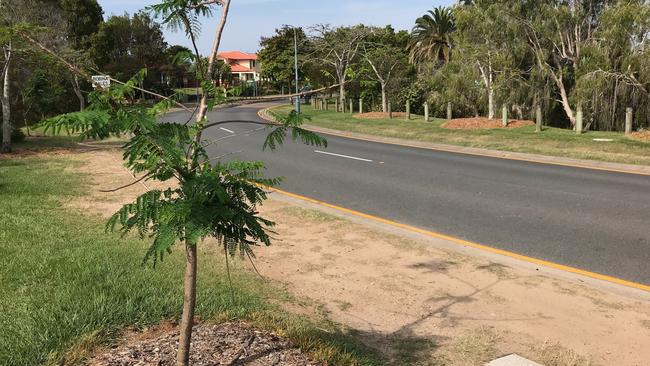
<point>589,219</point>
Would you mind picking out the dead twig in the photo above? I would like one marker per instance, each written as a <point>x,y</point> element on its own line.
<point>126,185</point>
<point>241,351</point>
<point>255,267</point>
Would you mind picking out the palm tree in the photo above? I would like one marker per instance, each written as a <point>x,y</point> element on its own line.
<point>431,36</point>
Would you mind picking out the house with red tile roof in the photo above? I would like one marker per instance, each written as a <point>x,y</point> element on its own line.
<point>244,66</point>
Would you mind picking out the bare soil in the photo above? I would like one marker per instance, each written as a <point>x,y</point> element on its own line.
<point>379,115</point>
<point>484,123</point>
<point>234,343</point>
<point>418,303</point>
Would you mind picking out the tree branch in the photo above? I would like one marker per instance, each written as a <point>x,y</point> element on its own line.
<point>87,76</point>
<point>126,185</point>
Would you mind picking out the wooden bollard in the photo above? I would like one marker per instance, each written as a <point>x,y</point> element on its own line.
<point>336,105</point>
<point>360,105</point>
<point>579,120</point>
<point>390,111</point>
<point>628,121</point>
<point>449,116</point>
<point>408,111</point>
<point>426,112</point>
<point>538,119</point>
<point>504,116</point>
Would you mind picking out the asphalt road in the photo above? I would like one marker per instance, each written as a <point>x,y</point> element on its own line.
<point>589,219</point>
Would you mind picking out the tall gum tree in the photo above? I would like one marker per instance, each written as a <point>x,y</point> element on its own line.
<point>486,35</point>
<point>27,16</point>
<point>338,48</point>
<point>558,34</point>
<point>385,59</point>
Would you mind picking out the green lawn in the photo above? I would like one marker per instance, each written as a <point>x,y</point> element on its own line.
<point>66,286</point>
<point>552,141</point>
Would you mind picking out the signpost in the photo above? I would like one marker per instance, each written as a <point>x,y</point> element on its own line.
<point>101,81</point>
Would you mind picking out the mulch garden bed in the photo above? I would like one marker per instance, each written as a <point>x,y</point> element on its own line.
<point>641,135</point>
<point>235,343</point>
<point>484,123</point>
<point>379,115</point>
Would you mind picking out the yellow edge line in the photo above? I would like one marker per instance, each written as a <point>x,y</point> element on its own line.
<point>483,247</point>
<point>451,150</point>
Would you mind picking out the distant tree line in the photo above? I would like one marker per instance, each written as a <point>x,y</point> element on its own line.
<point>480,55</point>
<point>34,86</point>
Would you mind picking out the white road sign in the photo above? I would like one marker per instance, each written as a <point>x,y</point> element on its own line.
<point>101,81</point>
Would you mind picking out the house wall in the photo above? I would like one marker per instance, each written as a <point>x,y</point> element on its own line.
<point>251,64</point>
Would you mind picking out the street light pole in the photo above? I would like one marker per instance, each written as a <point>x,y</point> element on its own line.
<point>295,54</point>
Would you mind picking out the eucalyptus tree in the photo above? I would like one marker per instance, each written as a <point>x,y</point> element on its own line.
<point>593,52</point>
<point>19,16</point>
<point>338,48</point>
<point>561,35</point>
<point>385,59</point>
<point>213,198</point>
<point>431,37</point>
<point>488,38</point>
<point>456,82</point>
<point>618,75</point>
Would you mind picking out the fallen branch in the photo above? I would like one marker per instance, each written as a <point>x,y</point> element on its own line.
<point>126,185</point>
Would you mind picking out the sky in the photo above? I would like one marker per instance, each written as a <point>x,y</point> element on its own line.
<point>250,19</point>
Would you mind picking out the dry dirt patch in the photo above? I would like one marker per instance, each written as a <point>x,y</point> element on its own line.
<point>399,292</point>
<point>483,123</point>
<point>421,304</point>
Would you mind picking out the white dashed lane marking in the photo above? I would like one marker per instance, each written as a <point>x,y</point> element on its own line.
<point>342,156</point>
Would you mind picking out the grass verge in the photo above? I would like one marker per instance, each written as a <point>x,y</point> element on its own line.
<point>67,287</point>
<point>552,141</point>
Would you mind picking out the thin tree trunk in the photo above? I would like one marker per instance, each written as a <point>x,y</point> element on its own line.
<point>6,106</point>
<point>342,92</point>
<point>520,112</point>
<point>490,101</point>
<point>490,90</point>
<point>487,80</point>
<point>189,300</point>
<point>77,91</point>
<point>564,99</point>
<point>384,99</point>
<point>203,106</point>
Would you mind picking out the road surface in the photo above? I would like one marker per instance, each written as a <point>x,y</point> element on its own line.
<point>590,219</point>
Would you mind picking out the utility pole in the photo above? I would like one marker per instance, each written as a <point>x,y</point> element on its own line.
<point>295,54</point>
